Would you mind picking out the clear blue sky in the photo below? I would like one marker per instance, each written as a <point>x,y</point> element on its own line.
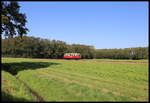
<point>101,24</point>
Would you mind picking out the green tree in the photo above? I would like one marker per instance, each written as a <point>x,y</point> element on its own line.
<point>13,22</point>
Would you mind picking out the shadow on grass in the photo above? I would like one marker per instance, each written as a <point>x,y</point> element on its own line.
<point>14,68</point>
<point>8,98</point>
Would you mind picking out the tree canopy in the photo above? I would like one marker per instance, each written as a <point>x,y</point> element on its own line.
<point>13,22</point>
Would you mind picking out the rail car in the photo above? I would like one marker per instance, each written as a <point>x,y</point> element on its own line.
<point>72,56</point>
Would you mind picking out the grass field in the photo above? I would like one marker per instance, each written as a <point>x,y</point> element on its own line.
<point>81,80</point>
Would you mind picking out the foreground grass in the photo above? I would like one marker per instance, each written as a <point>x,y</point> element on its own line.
<point>13,90</point>
<point>84,81</point>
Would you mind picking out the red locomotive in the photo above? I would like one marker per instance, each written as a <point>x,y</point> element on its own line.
<point>72,56</point>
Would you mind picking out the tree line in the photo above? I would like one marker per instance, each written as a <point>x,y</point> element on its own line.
<point>126,53</point>
<point>33,47</point>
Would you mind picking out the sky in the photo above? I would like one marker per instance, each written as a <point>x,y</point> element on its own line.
<point>100,24</point>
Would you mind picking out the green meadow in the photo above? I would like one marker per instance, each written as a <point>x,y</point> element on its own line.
<point>74,80</point>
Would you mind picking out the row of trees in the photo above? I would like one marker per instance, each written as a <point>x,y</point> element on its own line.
<point>31,47</point>
<point>42,48</point>
<point>127,53</point>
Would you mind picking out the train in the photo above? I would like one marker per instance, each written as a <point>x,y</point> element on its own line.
<point>72,56</point>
